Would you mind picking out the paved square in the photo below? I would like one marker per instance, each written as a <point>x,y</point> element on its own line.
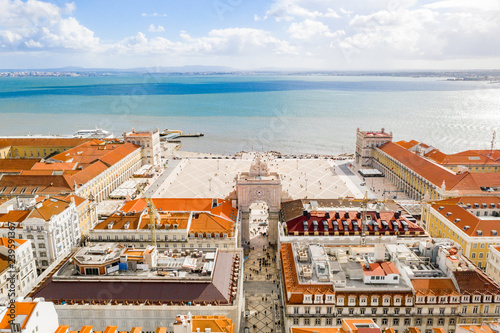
<point>216,178</point>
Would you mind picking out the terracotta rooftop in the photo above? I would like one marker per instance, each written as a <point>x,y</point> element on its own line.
<point>118,222</point>
<point>224,208</point>
<point>15,243</point>
<point>17,164</point>
<point>425,168</point>
<point>49,208</point>
<point>293,289</point>
<point>44,184</point>
<point>20,308</point>
<point>455,211</point>
<point>14,216</point>
<point>475,282</point>
<point>468,157</point>
<point>295,208</point>
<point>380,269</point>
<point>54,166</point>
<point>214,323</point>
<point>350,221</point>
<point>434,287</point>
<point>4,263</point>
<point>208,223</point>
<point>93,150</point>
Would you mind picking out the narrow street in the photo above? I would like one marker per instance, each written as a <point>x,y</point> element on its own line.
<point>263,312</point>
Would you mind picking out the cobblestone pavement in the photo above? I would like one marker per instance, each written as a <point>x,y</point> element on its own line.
<point>263,305</point>
<point>215,178</point>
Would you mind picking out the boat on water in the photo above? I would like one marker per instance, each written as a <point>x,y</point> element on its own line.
<point>97,133</point>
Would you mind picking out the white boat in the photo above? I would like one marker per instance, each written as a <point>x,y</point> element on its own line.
<point>97,133</point>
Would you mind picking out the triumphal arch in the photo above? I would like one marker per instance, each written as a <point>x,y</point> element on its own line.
<point>259,185</point>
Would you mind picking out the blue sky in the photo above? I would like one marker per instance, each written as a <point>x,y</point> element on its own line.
<point>251,34</point>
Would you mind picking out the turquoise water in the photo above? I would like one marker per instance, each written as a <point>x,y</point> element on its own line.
<point>300,114</point>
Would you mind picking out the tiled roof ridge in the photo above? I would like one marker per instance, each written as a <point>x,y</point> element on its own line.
<point>215,217</point>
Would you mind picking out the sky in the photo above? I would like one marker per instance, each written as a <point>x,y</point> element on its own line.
<point>251,34</point>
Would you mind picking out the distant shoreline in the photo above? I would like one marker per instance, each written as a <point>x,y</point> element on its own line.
<point>466,75</point>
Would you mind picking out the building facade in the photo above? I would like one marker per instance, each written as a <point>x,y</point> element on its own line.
<point>366,141</point>
<point>28,316</point>
<point>432,285</point>
<point>24,269</point>
<point>150,143</point>
<point>181,223</point>
<point>470,221</point>
<point>51,225</point>
<point>202,282</point>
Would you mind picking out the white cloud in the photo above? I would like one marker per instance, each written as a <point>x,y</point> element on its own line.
<point>423,33</point>
<point>288,10</point>
<point>158,28</point>
<point>466,4</point>
<point>231,41</point>
<point>36,25</point>
<point>153,15</point>
<point>310,28</point>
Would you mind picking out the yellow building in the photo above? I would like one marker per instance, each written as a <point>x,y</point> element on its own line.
<point>36,147</point>
<point>87,214</point>
<point>472,221</point>
<point>420,178</point>
<point>91,170</point>
<point>4,151</point>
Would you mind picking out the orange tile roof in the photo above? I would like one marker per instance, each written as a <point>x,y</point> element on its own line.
<point>292,285</point>
<point>136,330</point>
<point>4,263</point>
<point>14,216</point>
<point>468,157</point>
<point>14,242</point>
<point>434,286</point>
<point>484,328</point>
<point>17,164</point>
<point>49,208</point>
<point>425,168</point>
<point>78,200</point>
<point>46,184</point>
<point>54,166</point>
<point>37,172</point>
<point>453,211</point>
<point>119,222</point>
<point>408,144</point>
<point>90,172</point>
<point>86,329</point>
<point>111,329</point>
<point>20,308</point>
<point>161,330</point>
<point>475,282</point>
<point>208,223</point>
<point>224,208</point>
<point>167,220</point>
<point>380,269</point>
<point>170,204</point>
<point>93,150</point>
<point>215,323</point>
<point>62,329</point>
